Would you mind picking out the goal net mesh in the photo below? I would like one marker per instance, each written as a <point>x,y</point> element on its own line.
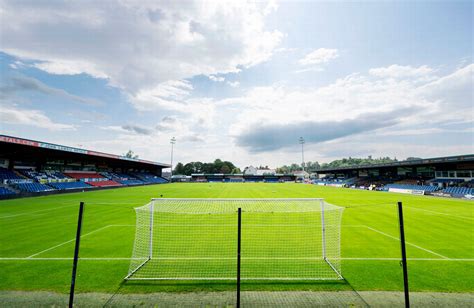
<point>281,239</point>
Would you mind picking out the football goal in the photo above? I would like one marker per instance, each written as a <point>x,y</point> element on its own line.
<point>198,239</point>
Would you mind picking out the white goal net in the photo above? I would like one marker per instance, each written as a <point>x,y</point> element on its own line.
<point>196,239</point>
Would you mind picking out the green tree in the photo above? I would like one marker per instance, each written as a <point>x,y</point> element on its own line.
<point>130,154</point>
<point>179,169</point>
<point>225,169</point>
<point>218,166</point>
<point>236,170</point>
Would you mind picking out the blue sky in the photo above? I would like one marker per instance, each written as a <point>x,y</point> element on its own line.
<point>240,81</point>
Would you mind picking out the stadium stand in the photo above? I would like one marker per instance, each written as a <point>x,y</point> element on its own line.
<point>32,187</point>
<point>131,182</point>
<point>83,175</point>
<point>271,180</point>
<point>57,175</point>
<point>446,181</point>
<point>253,179</point>
<point>29,166</point>
<point>335,181</point>
<point>150,178</point>
<point>459,191</point>
<point>199,178</point>
<point>427,188</point>
<point>69,185</point>
<point>6,174</point>
<point>93,179</point>
<point>43,176</point>
<point>234,180</point>
<point>122,178</point>
<point>213,179</point>
<point>5,191</point>
<point>106,183</point>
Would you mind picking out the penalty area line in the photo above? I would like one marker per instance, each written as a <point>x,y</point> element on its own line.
<point>408,243</point>
<point>39,211</point>
<point>66,242</point>
<point>439,213</point>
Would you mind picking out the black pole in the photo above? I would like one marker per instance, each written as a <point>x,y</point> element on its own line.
<point>76,254</point>
<point>239,232</point>
<point>404,255</point>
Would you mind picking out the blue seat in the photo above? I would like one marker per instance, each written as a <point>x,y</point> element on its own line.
<point>69,185</point>
<point>5,191</point>
<point>33,187</point>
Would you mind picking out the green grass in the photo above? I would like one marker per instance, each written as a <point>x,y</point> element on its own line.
<point>440,233</point>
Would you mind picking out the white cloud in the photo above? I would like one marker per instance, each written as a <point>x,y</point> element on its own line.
<point>399,71</point>
<point>17,65</point>
<point>455,90</point>
<point>129,129</point>
<point>167,95</point>
<point>350,97</point>
<point>216,78</point>
<point>138,45</point>
<point>233,84</point>
<point>319,56</point>
<point>34,118</point>
<point>175,96</point>
<point>70,67</point>
<point>380,146</point>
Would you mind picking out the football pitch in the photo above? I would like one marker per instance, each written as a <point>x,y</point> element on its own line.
<point>37,240</point>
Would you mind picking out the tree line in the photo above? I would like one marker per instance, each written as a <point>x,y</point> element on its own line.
<point>345,162</point>
<point>227,167</point>
<point>218,166</point>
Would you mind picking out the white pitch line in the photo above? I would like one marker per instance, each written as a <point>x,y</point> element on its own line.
<point>235,225</point>
<point>439,213</point>
<point>409,259</point>
<point>66,259</point>
<point>29,213</point>
<point>408,243</point>
<point>64,243</point>
<point>128,259</point>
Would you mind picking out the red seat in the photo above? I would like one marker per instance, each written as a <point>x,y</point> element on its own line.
<point>104,183</point>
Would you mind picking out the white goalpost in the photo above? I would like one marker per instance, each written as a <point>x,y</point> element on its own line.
<point>197,239</point>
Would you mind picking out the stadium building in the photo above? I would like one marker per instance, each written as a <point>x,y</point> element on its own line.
<point>242,178</point>
<point>30,167</point>
<point>445,176</point>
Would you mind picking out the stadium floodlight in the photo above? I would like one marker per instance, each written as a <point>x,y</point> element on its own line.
<point>302,142</point>
<point>196,239</point>
<point>172,141</point>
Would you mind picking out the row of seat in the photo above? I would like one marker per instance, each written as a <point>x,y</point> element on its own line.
<point>5,191</point>
<point>32,181</point>
<point>69,185</point>
<point>131,182</point>
<point>6,174</point>
<point>107,183</point>
<point>83,175</point>
<point>33,187</point>
<point>149,178</point>
<point>459,191</point>
<point>412,187</point>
